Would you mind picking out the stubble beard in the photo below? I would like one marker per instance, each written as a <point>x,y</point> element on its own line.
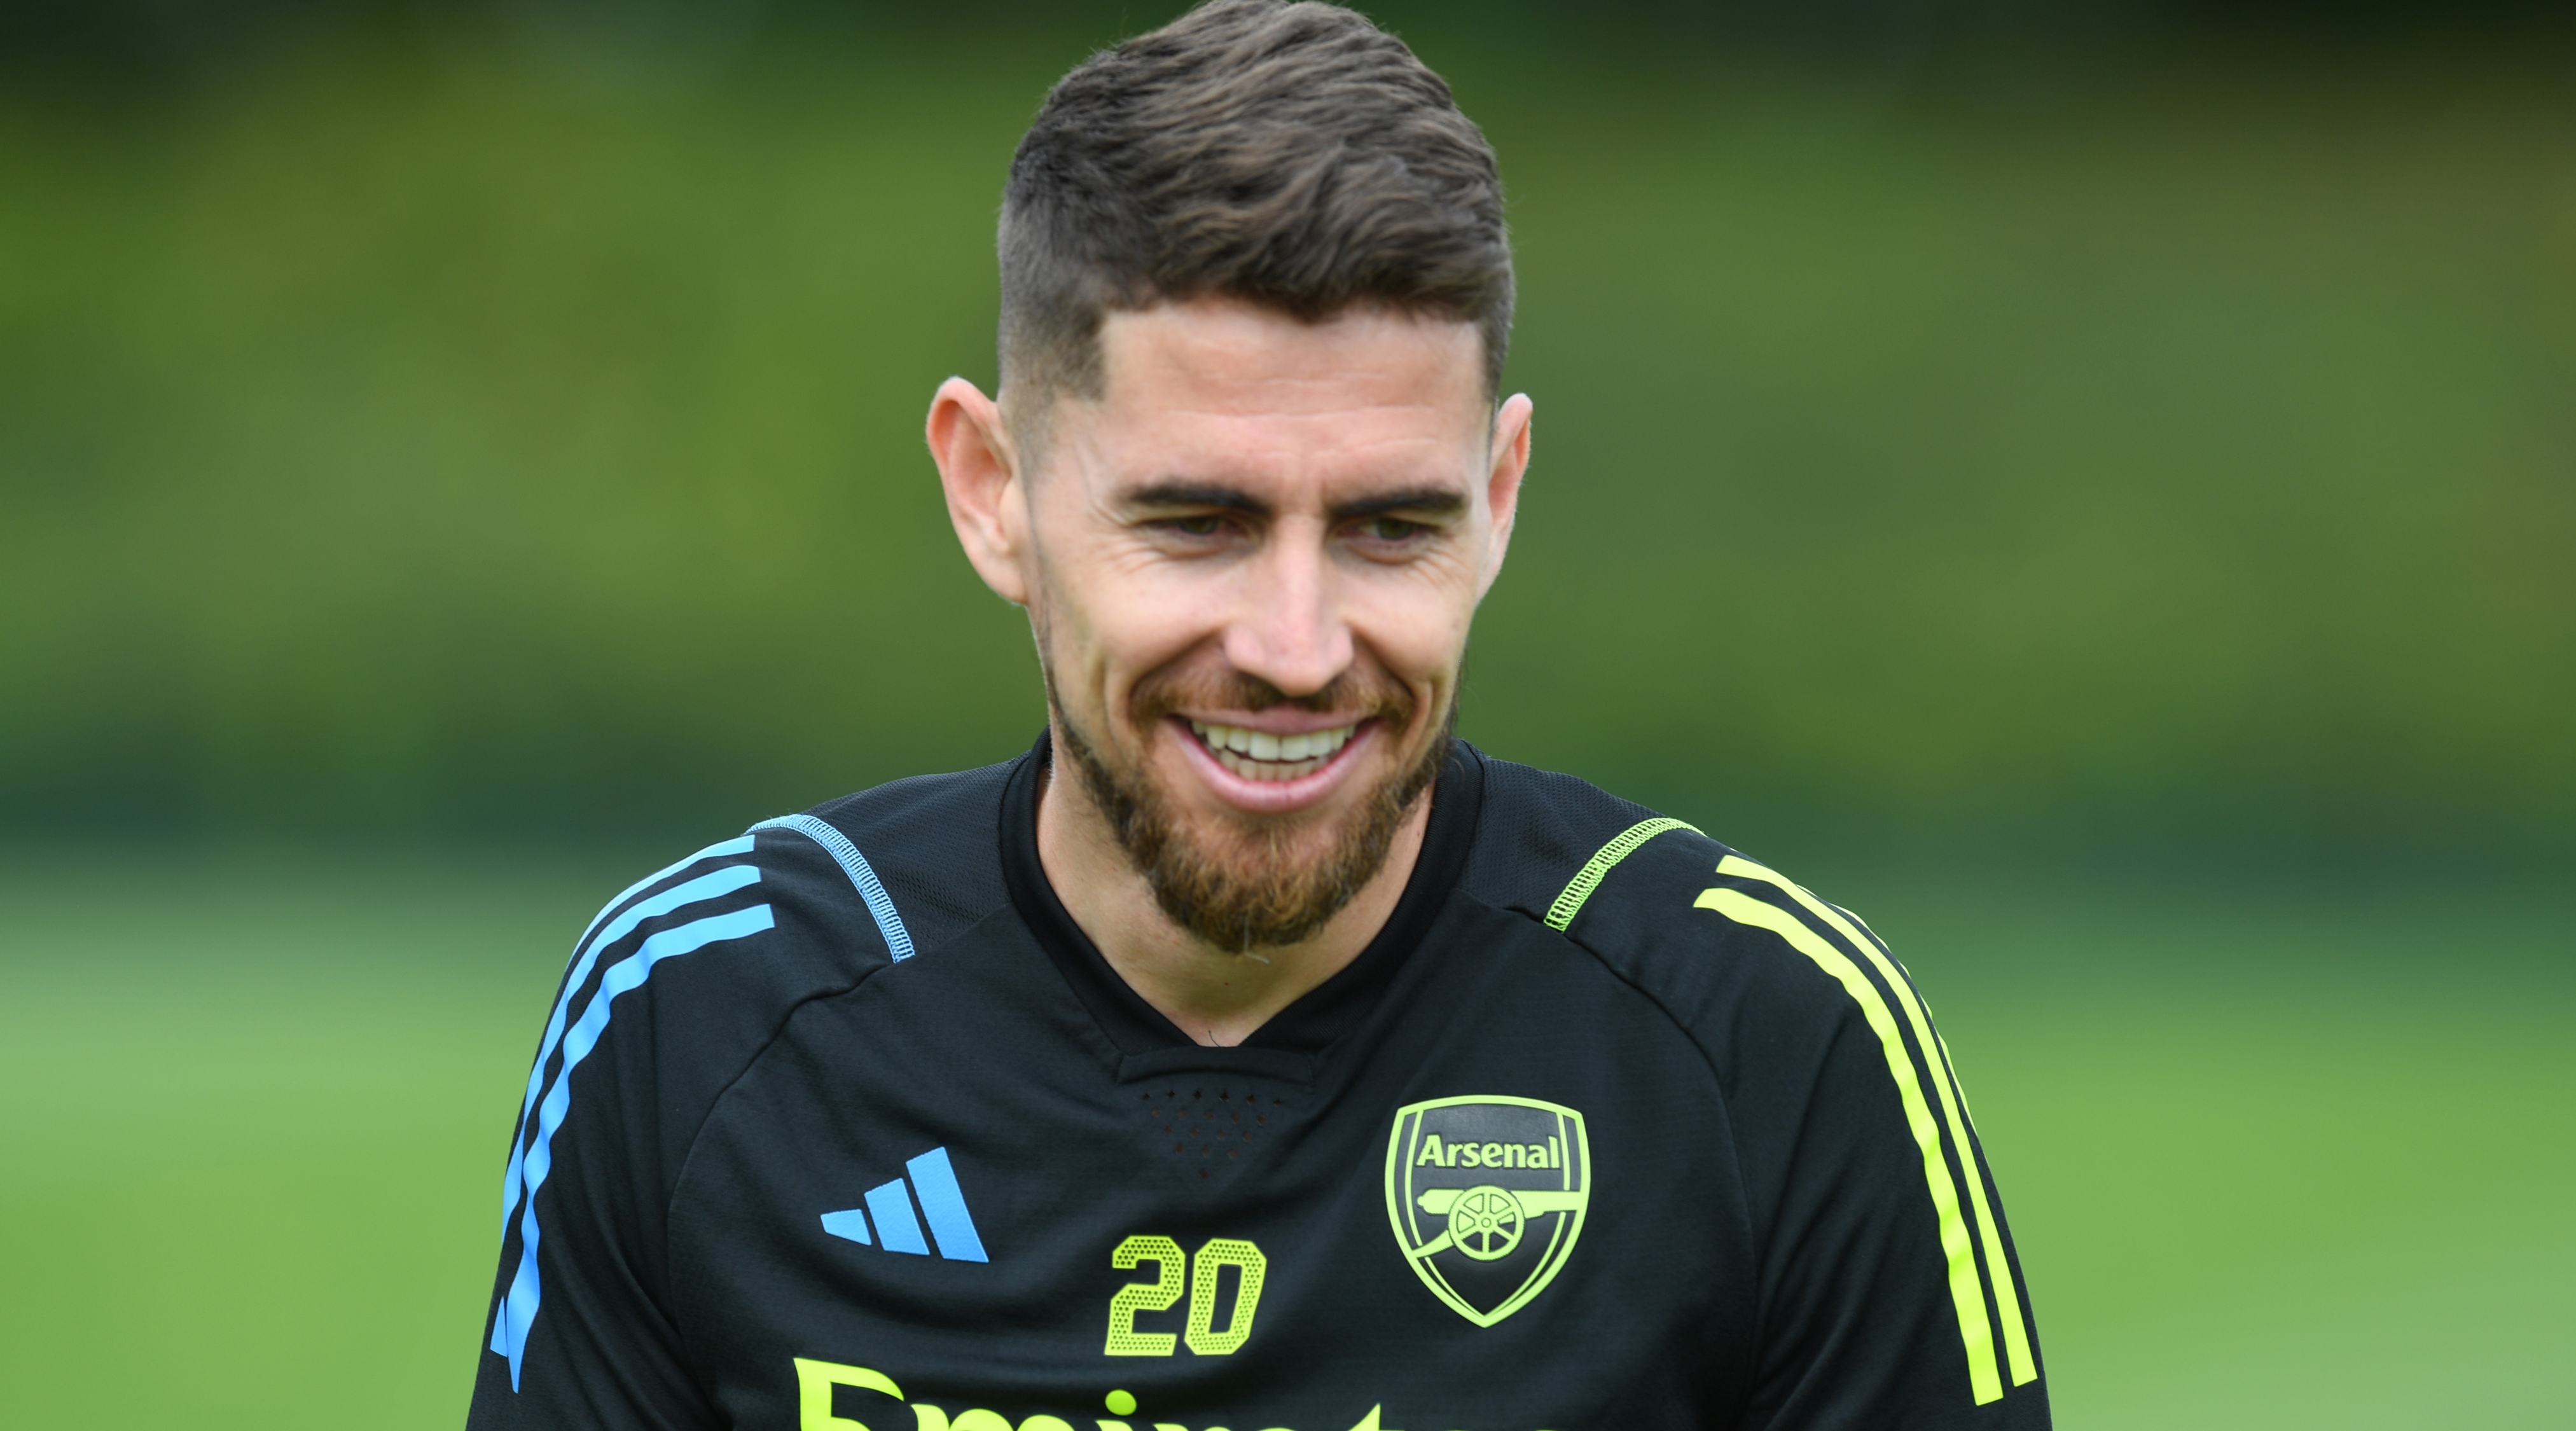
<point>1254,890</point>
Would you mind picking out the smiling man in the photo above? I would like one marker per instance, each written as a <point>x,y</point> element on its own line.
<point>1250,558</point>
<point>1251,1052</point>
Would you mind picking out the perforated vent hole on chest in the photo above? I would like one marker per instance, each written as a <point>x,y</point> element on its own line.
<point>1208,1123</point>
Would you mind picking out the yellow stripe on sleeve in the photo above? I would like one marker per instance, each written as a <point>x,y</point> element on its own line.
<point>1998,1271</point>
<point>1966,1294</point>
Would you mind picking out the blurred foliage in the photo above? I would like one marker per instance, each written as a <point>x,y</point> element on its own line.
<point>517,424</point>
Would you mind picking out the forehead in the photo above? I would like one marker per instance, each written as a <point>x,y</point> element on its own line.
<point>1220,382</point>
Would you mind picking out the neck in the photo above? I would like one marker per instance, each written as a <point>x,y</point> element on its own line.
<point>1216,996</point>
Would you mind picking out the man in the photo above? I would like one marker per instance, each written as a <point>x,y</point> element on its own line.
<point>1250,1052</point>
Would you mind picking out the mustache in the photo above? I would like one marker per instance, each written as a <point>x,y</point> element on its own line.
<point>1238,890</point>
<point>1361,692</point>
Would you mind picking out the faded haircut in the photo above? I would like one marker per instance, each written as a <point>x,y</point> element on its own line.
<point>1292,156</point>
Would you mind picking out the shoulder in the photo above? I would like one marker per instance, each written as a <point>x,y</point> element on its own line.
<point>1719,939</point>
<point>922,855</point>
<point>794,908</point>
<point>1862,1180</point>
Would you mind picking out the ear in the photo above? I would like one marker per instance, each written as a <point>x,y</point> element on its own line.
<point>979,472</point>
<point>1511,455</point>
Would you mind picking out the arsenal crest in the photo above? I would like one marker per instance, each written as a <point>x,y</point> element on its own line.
<point>1487,1197</point>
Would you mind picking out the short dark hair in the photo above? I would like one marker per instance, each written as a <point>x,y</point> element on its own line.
<point>1292,156</point>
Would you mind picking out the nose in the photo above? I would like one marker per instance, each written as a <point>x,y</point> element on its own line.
<point>1289,629</point>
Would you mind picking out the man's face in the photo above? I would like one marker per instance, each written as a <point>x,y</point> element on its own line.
<point>1252,566</point>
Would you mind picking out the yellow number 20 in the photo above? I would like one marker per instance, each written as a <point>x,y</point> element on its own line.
<point>1159,1295</point>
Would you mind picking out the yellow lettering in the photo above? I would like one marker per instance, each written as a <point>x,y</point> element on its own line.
<point>815,1380</point>
<point>814,1383</point>
<point>1493,1155</point>
<point>1430,1152</point>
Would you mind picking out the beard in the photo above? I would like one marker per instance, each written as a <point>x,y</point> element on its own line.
<point>1246,886</point>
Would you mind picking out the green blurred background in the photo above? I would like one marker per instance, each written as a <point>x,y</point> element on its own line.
<point>2090,485</point>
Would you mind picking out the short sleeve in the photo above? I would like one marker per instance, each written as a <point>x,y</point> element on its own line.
<point>1890,1295</point>
<point>580,1330</point>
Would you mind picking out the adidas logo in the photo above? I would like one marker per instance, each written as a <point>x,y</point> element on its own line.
<point>889,1210</point>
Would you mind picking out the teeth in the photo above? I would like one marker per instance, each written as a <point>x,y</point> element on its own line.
<point>1259,755</point>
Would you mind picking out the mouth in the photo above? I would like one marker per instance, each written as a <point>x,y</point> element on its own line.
<point>1260,755</point>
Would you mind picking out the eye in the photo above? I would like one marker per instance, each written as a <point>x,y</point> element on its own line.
<point>1206,525</point>
<point>1391,529</point>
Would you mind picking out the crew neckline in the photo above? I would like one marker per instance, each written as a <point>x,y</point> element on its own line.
<point>1318,1017</point>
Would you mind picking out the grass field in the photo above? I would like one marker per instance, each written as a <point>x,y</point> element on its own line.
<point>2278,1154</point>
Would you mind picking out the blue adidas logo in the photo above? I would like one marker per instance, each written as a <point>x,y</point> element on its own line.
<point>943,1207</point>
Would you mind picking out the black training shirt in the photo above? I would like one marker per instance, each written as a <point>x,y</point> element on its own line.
<point>844,1123</point>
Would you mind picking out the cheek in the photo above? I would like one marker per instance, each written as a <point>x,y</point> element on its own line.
<point>1117,626</point>
<point>1417,631</point>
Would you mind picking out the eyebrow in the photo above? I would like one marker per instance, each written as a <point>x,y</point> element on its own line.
<point>1197,494</point>
<point>1428,501</point>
